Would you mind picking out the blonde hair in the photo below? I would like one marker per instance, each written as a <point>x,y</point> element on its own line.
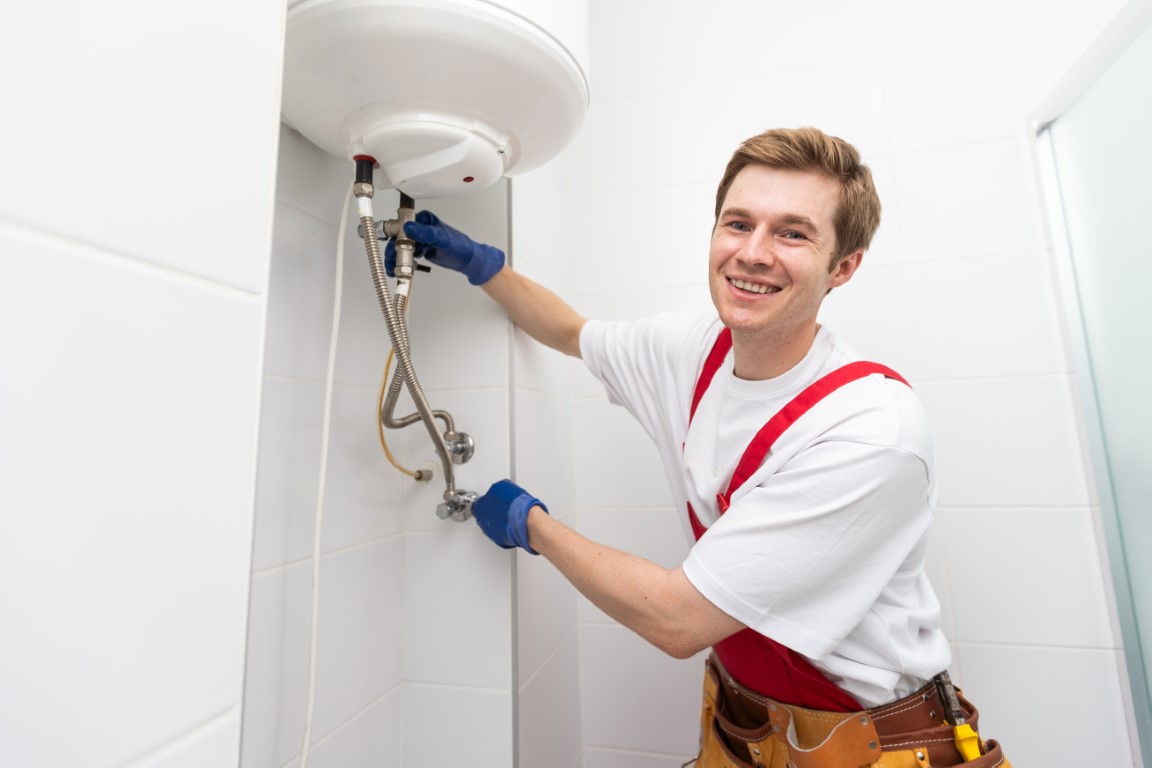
<point>857,216</point>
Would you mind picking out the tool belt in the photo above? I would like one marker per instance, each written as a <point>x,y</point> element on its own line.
<point>742,729</point>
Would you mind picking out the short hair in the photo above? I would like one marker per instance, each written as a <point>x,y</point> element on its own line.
<point>809,149</point>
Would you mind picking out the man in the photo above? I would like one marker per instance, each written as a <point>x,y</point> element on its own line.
<point>806,475</point>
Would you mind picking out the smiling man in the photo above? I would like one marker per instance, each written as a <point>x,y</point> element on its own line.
<point>805,474</point>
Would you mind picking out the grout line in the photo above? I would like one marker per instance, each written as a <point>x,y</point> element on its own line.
<point>573,633</point>
<point>180,742</point>
<point>124,259</point>
<point>325,553</point>
<point>356,716</point>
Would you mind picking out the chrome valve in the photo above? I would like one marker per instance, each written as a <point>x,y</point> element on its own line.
<point>457,505</point>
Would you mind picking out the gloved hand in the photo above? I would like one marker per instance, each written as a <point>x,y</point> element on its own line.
<point>502,514</point>
<point>449,248</point>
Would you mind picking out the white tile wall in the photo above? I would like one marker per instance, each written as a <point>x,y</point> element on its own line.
<point>1040,552</point>
<point>1006,442</point>
<point>135,214</point>
<point>404,596</point>
<point>369,740</point>
<point>1010,684</point>
<point>956,293</point>
<point>214,743</point>
<point>447,725</point>
<point>635,697</point>
<point>125,134</point>
<point>549,704</point>
<point>129,407</point>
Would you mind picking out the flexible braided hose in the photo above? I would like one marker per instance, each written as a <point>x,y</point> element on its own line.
<point>398,334</point>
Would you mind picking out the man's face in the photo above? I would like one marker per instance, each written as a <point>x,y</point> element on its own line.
<point>771,253</point>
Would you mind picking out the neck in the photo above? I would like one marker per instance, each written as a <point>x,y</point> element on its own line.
<point>759,358</point>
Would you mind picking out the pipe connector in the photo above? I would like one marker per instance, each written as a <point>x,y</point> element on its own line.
<point>457,505</point>
<point>460,446</point>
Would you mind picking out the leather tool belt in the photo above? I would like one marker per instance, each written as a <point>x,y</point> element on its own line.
<point>742,729</point>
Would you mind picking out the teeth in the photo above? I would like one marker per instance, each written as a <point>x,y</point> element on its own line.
<point>753,287</point>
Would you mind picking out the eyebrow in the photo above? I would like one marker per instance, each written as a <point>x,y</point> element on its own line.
<point>788,218</point>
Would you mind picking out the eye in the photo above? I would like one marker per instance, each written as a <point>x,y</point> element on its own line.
<point>794,235</point>
<point>739,226</point>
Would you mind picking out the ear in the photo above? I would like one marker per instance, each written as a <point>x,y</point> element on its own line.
<point>844,269</point>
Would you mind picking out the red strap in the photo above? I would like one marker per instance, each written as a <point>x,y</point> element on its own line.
<point>762,443</point>
<point>711,364</point>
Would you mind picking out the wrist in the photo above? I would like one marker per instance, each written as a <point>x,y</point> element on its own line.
<point>537,518</point>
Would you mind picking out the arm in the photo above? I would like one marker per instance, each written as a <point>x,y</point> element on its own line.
<point>540,313</point>
<point>537,311</point>
<point>658,604</point>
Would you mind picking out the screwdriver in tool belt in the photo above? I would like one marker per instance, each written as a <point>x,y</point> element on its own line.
<point>967,742</point>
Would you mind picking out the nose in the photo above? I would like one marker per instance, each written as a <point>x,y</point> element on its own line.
<point>757,250</point>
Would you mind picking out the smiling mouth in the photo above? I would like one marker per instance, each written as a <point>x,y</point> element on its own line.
<point>744,285</point>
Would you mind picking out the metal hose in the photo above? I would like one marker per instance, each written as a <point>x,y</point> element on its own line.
<point>398,335</point>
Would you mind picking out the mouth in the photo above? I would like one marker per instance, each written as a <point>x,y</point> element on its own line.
<point>750,287</point>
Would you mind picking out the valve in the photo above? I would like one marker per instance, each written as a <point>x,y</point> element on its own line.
<point>457,505</point>
<point>460,446</point>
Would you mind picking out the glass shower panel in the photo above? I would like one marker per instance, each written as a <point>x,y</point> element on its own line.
<point>1102,162</point>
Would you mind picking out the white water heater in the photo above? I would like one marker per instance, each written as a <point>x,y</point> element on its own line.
<point>447,96</point>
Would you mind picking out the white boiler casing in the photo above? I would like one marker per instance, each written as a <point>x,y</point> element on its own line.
<point>447,95</point>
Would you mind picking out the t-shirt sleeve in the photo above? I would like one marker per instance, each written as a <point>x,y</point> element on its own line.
<point>648,366</point>
<point>803,556</point>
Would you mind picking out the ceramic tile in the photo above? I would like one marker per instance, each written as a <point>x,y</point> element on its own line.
<point>1025,554</point>
<point>620,675</point>
<point>371,739</point>
<point>457,617</point>
<point>545,613</point>
<point>988,203</point>
<point>541,369</point>
<point>153,169</point>
<point>311,179</point>
<point>887,246</point>
<point>540,215</point>
<point>300,295</point>
<point>611,447</point>
<point>276,672</point>
<point>549,710</point>
<point>871,314</point>
<point>940,94</point>
<point>480,719</point>
<point>619,253</point>
<point>1006,683</point>
<point>358,650</point>
<point>1006,442</point>
<point>291,419</point>
<point>362,490</point>
<point>936,565</point>
<point>1013,330</point>
<point>543,448</point>
<point>214,743</point>
<point>135,499</point>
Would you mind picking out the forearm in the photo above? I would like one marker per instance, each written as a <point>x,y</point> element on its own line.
<point>659,604</point>
<point>537,311</point>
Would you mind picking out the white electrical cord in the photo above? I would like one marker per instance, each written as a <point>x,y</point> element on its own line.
<point>325,429</point>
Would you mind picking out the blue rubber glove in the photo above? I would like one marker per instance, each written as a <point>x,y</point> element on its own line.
<point>502,514</point>
<point>449,248</point>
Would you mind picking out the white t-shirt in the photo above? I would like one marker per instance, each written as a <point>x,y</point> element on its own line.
<point>823,548</point>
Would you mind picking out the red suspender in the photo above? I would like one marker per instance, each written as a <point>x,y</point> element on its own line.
<point>711,365</point>
<point>759,662</point>
<point>762,443</point>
